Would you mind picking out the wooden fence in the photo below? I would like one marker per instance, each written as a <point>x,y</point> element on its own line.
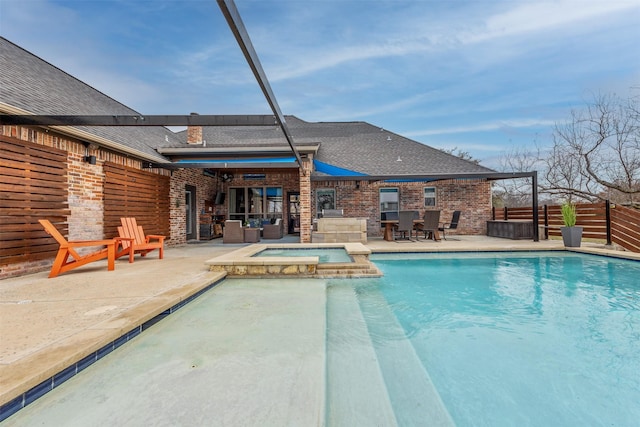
<point>33,186</point>
<point>135,193</point>
<point>604,221</point>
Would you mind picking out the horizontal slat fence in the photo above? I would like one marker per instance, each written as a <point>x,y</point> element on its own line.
<point>624,223</point>
<point>33,186</point>
<point>131,192</point>
<point>625,227</point>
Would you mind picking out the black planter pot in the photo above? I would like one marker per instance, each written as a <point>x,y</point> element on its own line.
<point>571,236</point>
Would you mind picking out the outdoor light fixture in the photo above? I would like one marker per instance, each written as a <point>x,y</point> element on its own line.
<point>87,158</point>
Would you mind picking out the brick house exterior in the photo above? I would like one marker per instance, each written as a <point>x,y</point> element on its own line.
<point>98,191</point>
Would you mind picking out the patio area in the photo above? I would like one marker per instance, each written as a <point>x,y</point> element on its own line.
<point>48,325</point>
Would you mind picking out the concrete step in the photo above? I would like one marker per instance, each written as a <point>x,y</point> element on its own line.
<point>356,392</point>
<point>413,395</point>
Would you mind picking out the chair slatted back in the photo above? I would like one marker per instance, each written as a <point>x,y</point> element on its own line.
<point>454,220</point>
<point>431,220</point>
<point>131,229</point>
<point>51,230</point>
<point>405,221</point>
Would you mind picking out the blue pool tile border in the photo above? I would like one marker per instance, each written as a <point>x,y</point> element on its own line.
<point>31,395</point>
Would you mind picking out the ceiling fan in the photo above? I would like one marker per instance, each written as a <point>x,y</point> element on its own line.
<point>226,177</point>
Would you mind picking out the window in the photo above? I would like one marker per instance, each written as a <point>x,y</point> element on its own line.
<point>389,202</point>
<point>429,196</point>
<point>325,199</point>
<point>250,203</point>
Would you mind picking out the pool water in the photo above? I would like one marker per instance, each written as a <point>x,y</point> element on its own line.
<point>325,255</point>
<point>516,339</point>
<point>494,339</point>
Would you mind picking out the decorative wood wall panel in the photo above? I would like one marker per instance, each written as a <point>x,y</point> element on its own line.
<point>33,185</point>
<point>135,193</point>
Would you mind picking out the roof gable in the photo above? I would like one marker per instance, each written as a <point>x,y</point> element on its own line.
<point>30,84</point>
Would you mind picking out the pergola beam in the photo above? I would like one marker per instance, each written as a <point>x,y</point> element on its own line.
<point>238,29</point>
<point>138,120</point>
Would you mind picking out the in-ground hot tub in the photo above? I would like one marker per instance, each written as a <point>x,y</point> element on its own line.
<point>297,259</point>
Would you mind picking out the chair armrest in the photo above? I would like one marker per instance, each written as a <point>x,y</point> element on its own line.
<point>155,236</point>
<point>82,243</point>
<point>125,250</point>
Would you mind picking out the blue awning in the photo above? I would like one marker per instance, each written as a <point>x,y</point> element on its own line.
<point>260,160</point>
<point>409,180</point>
<point>334,170</point>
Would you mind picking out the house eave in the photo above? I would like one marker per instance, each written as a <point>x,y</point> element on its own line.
<point>88,137</point>
<point>490,176</point>
<point>202,151</point>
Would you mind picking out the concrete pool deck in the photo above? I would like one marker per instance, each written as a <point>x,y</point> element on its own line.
<point>47,324</point>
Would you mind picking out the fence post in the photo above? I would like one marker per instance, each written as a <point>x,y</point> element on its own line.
<point>546,223</point>
<point>608,220</point>
<point>493,213</point>
<point>506,213</point>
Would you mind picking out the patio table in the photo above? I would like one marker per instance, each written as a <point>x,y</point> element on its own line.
<point>388,229</point>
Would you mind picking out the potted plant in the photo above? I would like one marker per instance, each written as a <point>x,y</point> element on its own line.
<point>571,234</point>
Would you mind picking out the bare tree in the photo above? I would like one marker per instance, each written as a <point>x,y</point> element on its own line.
<point>596,154</point>
<point>516,192</point>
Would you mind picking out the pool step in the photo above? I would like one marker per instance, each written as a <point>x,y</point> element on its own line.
<point>414,397</point>
<point>356,392</point>
<point>361,267</point>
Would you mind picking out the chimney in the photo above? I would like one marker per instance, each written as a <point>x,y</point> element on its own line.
<point>194,133</point>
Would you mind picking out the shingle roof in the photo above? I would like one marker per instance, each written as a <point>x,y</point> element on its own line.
<point>357,146</point>
<point>34,85</point>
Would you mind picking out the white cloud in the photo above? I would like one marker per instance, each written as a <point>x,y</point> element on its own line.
<point>483,127</point>
<point>407,35</point>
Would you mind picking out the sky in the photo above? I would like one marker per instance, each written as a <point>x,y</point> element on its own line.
<point>480,76</point>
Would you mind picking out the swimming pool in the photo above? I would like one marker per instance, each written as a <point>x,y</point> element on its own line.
<point>325,255</point>
<point>502,339</point>
<point>442,339</point>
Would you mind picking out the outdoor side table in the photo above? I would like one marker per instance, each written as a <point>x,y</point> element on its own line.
<point>251,235</point>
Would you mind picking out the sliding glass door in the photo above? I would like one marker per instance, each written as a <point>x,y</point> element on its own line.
<point>255,204</point>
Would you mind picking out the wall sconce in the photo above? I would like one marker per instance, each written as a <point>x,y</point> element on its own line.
<point>357,185</point>
<point>87,158</point>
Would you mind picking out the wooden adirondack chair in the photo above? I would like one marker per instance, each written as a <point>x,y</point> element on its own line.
<point>68,249</point>
<point>141,244</point>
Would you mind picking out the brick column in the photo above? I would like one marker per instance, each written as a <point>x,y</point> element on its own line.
<point>305,201</point>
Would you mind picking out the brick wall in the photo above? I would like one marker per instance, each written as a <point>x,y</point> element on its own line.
<point>205,190</point>
<point>86,201</point>
<point>472,197</point>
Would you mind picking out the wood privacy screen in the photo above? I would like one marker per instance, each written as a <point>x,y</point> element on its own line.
<point>131,192</point>
<point>625,227</point>
<point>623,223</point>
<point>33,186</point>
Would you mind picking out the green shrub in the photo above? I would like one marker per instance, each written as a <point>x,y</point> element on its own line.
<point>569,214</point>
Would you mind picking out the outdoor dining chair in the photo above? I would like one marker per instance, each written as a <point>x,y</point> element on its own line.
<point>450,225</point>
<point>405,225</point>
<point>430,224</point>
